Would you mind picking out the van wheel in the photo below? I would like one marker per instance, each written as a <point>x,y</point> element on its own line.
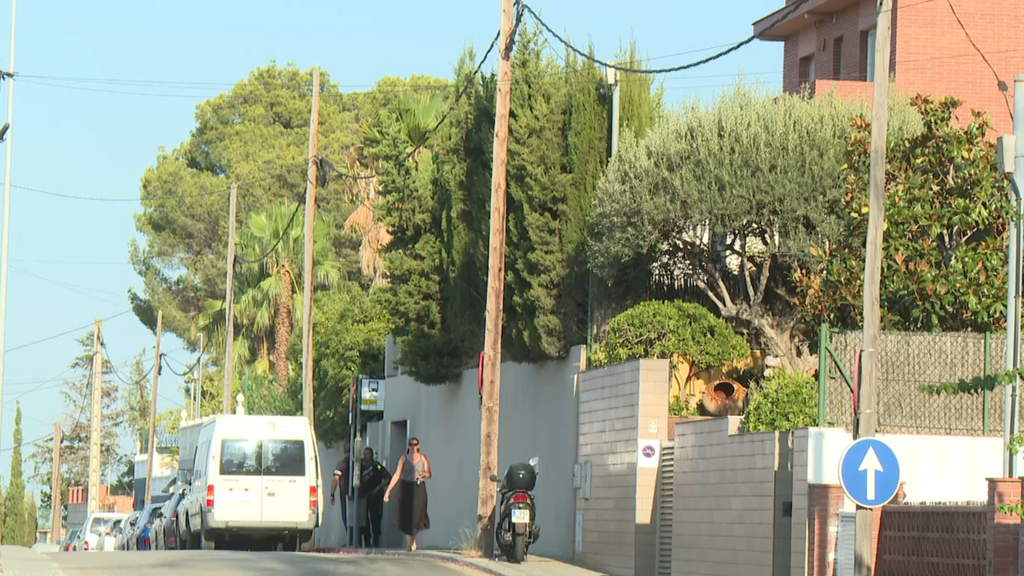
<point>206,541</point>
<point>184,542</point>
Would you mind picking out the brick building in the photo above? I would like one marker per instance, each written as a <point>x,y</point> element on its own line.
<point>829,45</point>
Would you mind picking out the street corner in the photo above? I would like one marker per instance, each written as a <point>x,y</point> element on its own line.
<point>19,561</point>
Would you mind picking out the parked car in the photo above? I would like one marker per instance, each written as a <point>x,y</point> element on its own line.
<point>255,478</point>
<point>165,529</point>
<point>76,542</point>
<point>97,529</point>
<point>181,511</point>
<point>69,540</point>
<point>123,531</point>
<point>109,544</point>
<point>141,539</point>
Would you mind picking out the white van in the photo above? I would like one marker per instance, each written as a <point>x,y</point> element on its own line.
<point>254,478</point>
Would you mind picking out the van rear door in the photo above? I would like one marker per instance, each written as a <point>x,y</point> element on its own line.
<point>239,482</point>
<point>286,494</point>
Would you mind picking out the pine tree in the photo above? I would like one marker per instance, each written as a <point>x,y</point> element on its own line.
<point>14,506</point>
<point>77,395</point>
<point>538,188</point>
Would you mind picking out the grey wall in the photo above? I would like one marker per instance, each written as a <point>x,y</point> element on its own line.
<point>538,409</point>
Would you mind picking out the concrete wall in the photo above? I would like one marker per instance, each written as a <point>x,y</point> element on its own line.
<point>618,406</point>
<point>538,418</point>
<point>725,506</point>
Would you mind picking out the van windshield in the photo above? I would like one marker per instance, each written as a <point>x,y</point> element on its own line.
<point>263,457</point>
<point>101,525</point>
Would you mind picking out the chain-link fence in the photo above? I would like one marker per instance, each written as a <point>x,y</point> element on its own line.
<point>908,360</point>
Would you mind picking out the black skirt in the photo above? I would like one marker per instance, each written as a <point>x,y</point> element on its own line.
<point>412,507</point>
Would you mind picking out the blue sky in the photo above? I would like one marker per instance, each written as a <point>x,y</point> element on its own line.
<point>69,258</point>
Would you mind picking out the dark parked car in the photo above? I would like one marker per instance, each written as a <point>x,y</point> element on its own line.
<point>169,535</point>
<point>140,538</point>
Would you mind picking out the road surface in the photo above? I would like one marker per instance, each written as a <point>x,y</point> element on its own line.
<point>228,563</point>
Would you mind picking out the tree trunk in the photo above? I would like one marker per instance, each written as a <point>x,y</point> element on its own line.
<point>283,327</point>
<point>779,341</point>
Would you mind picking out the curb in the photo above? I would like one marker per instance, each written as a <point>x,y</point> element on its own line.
<point>430,555</point>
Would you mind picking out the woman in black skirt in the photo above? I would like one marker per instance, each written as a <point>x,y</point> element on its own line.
<point>412,470</point>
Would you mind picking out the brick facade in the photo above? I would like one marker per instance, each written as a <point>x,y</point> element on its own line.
<point>931,53</point>
<point>924,540</point>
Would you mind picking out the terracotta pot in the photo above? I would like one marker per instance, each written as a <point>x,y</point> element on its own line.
<point>724,398</point>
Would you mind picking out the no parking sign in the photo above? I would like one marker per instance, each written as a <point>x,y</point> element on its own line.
<point>648,453</point>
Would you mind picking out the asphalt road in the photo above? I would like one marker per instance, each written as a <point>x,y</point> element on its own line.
<point>228,563</point>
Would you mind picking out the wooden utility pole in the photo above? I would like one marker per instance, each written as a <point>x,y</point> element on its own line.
<point>96,420</point>
<point>55,488</point>
<point>152,411</point>
<point>229,303</point>
<point>866,415</point>
<point>489,412</point>
<point>307,270</point>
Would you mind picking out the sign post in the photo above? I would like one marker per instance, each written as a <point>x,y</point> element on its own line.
<point>869,473</point>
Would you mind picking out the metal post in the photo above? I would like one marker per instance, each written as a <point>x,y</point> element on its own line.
<point>822,373</point>
<point>986,398</point>
<point>5,236</point>
<point>1013,299</point>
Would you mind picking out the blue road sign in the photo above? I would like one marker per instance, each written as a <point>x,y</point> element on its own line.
<point>869,472</point>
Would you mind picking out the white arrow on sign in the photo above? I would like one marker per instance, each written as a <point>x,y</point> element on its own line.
<point>872,466</point>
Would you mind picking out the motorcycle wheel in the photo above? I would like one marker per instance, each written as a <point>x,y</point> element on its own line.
<point>518,548</point>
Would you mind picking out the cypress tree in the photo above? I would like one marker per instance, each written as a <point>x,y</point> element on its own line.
<point>14,506</point>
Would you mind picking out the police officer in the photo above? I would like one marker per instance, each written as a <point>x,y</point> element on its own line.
<point>373,478</point>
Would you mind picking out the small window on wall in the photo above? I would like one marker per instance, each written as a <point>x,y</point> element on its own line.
<point>807,70</point>
<point>867,55</point>
<point>837,58</point>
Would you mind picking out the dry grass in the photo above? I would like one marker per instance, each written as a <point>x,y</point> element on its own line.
<point>466,544</point>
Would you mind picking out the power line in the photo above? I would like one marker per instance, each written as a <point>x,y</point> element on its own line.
<point>72,197</point>
<point>65,333</point>
<point>785,14</point>
<point>1003,88</point>
<point>68,286</point>
<point>270,250</point>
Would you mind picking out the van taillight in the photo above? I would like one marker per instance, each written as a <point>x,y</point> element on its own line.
<point>174,516</point>
<point>313,501</point>
<point>209,496</point>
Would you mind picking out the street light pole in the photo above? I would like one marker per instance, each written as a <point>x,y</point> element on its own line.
<point>5,236</point>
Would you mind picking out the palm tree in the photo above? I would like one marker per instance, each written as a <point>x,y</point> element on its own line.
<point>269,291</point>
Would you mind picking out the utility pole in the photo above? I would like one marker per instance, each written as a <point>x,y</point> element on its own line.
<point>198,403</point>
<point>229,302</point>
<point>55,488</point>
<point>489,412</point>
<point>307,270</point>
<point>96,417</point>
<point>152,411</point>
<point>866,415</point>
<point>1015,282</point>
<point>5,235</point>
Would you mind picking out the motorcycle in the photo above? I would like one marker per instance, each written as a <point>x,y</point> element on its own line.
<point>516,528</point>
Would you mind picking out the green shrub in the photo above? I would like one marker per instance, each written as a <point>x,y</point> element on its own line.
<point>782,401</point>
<point>660,329</point>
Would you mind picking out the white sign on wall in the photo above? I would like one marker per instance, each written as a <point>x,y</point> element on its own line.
<point>648,453</point>
<point>372,396</point>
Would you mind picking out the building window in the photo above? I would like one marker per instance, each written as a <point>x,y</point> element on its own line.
<point>807,70</point>
<point>867,55</point>
<point>837,58</point>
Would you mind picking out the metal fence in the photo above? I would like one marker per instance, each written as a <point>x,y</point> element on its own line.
<point>908,360</point>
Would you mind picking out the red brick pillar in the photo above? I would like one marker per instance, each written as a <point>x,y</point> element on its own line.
<point>1003,529</point>
<point>825,502</point>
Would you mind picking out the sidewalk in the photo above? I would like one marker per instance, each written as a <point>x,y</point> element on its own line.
<point>24,562</point>
<point>533,566</point>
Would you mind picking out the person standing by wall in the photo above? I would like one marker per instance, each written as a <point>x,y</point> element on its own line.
<point>373,476</point>
<point>410,473</point>
<point>341,471</point>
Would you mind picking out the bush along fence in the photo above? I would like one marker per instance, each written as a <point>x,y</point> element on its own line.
<point>908,361</point>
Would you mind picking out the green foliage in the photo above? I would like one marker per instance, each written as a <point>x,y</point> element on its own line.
<point>15,530</point>
<point>31,519</point>
<point>255,134</point>
<point>728,197</point>
<point>975,385</point>
<point>946,216</point>
<point>639,99</point>
<point>661,329</point>
<point>782,401</point>
<point>683,406</point>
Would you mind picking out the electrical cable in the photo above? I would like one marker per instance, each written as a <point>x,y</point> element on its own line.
<point>785,14</point>
<point>269,251</point>
<point>65,333</point>
<point>1003,88</point>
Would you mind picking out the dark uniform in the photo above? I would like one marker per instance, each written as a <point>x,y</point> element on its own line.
<point>373,477</point>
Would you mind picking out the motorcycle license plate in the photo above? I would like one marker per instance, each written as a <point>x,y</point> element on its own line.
<point>520,516</point>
